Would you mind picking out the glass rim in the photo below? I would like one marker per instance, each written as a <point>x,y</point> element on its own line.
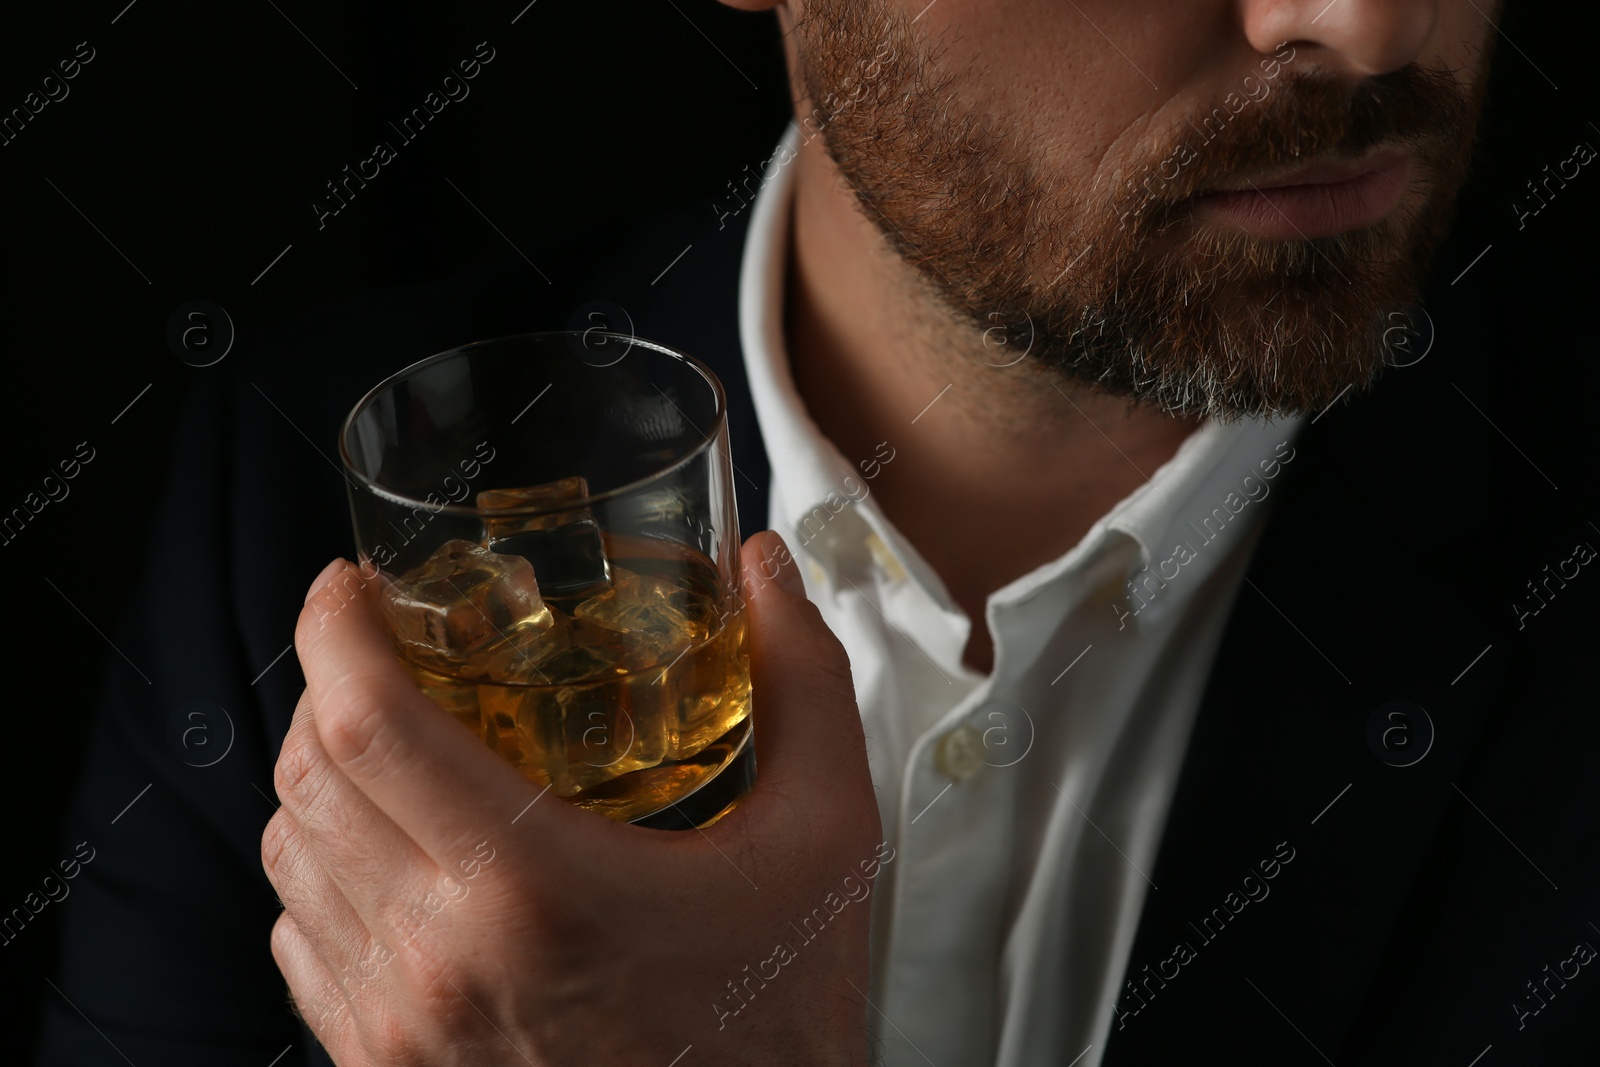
<point>719,422</point>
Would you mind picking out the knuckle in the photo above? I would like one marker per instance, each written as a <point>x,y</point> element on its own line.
<point>280,846</point>
<point>298,772</point>
<point>356,729</point>
<point>283,935</point>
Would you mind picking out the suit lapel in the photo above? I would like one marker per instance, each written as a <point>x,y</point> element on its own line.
<point>1367,587</point>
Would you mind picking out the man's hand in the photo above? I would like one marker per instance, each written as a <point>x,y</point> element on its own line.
<point>432,916</point>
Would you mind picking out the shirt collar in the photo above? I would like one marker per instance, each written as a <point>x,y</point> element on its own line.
<point>806,464</point>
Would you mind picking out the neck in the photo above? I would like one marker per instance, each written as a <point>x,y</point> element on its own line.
<point>998,469</point>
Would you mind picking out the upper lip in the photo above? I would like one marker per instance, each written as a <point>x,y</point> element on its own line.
<point>1325,172</point>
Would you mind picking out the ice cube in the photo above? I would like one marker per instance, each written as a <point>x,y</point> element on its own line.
<point>521,658</point>
<point>578,728</point>
<point>559,491</point>
<point>652,616</point>
<point>582,652</point>
<point>570,559</point>
<point>566,548</point>
<point>462,600</point>
<point>585,728</point>
<point>603,731</point>
<point>568,650</point>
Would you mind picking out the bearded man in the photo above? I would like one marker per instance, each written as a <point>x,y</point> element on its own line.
<point>1134,664</point>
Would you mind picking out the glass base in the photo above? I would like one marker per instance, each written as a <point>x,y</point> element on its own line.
<point>714,799</point>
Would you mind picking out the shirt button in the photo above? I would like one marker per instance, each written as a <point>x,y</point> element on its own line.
<point>960,753</point>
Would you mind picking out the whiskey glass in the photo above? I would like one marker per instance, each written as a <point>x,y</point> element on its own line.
<point>550,520</point>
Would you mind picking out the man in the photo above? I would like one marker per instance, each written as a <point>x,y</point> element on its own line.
<point>1039,306</point>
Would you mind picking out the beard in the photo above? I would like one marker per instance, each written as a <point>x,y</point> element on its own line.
<point>1114,287</point>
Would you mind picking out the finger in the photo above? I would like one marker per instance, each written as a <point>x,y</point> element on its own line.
<point>317,997</point>
<point>372,861</point>
<point>807,727</point>
<point>439,784</point>
<point>322,916</point>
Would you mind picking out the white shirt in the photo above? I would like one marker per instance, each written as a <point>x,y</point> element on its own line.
<point>1025,808</point>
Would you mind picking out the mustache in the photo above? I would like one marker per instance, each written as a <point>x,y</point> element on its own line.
<point>1305,117</point>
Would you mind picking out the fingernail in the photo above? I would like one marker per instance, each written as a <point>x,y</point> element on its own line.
<point>779,565</point>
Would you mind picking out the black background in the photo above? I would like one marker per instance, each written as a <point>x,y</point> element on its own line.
<point>198,137</point>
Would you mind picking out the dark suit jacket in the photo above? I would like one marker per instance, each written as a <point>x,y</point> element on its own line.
<point>1419,903</point>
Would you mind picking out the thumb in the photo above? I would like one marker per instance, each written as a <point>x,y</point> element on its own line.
<point>808,730</point>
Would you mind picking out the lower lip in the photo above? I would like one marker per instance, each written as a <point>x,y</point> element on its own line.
<point>1303,212</point>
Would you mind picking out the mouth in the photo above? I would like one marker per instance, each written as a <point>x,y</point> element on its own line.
<point>1316,200</point>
